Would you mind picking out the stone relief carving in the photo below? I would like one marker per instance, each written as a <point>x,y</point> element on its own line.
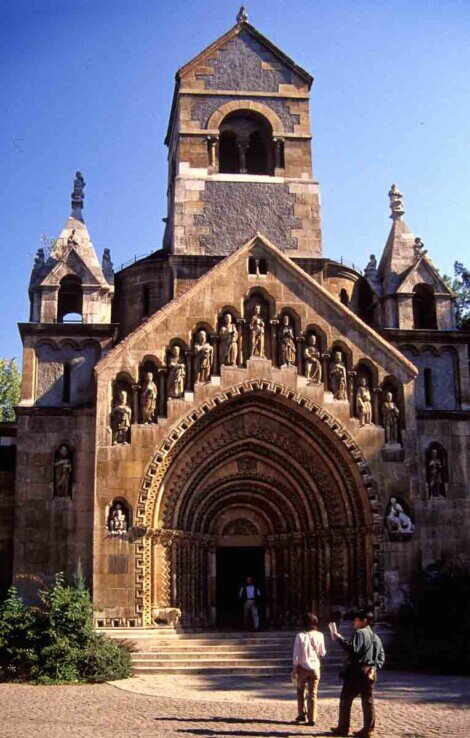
<point>228,346</point>
<point>121,416</point>
<point>398,522</point>
<point>436,471</point>
<point>166,615</point>
<point>240,527</point>
<point>71,240</point>
<point>286,338</point>
<point>396,202</point>
<point>312,356</point>
<point>257,333</point>
<point>78,187</point>
<point>148,399</point>
<point>63,472</point>
<point>391,414</point>
<point>338,379</point>
<point>363,403</point>
<point>176,373</point>
<point>203,356</point>
<point>118,519</point>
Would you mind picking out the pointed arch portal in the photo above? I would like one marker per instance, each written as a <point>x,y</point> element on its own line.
<point>258,467</point>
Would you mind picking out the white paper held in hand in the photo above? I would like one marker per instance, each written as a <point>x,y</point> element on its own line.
<point>333,630</point>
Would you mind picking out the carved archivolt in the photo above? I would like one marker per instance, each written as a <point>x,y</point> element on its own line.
<point>330,490</point>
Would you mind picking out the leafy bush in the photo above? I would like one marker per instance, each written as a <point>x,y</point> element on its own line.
<point>18,639</point>
<point>57,642</point>
<point>432,630</point>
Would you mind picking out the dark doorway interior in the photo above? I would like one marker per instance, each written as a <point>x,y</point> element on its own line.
<point>233,566</point>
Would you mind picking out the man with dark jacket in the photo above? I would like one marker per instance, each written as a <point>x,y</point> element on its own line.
<point>365,656</point>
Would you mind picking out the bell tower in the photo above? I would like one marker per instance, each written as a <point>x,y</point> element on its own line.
<point>239,150</point>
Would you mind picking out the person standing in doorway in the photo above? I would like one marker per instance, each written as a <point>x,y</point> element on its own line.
<point>309,648</point>
<point>249,595</point>
<point>365,655</point>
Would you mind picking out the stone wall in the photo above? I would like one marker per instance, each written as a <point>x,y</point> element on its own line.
<point>216,215</point>
<point>7,502</point>
<point>52,533</point>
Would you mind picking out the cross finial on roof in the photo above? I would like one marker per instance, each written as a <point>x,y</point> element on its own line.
<point>396,202</point>
<point>242,16</point>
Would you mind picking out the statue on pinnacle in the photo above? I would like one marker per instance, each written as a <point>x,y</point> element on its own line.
<point>396,202</point>
<point>242,16</point>
<point>78,194</point>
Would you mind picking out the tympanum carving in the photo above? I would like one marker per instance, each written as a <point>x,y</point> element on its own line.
<point>203,355</point>
<point>312,356</point>
<point>287,342</point>
<point>390,414</point>
<point>257,333</point>
<point>398,522</point>
<point>338,378</point>
<point>176,373</point>
<point>228,342</point>
<point>121,416</point>
<point>63,471</point>
<point>363,402</point>
<point>148,399</point>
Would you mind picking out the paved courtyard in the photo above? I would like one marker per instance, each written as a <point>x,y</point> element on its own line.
<point>409,706</point>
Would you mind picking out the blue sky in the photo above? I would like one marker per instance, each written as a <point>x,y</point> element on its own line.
<point>87,84</point>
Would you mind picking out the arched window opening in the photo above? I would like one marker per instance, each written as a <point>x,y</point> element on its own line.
<point>70,300</point>
<point>66,382</point>
<point>245,144</point>
<point>252,266</point>
<point>263,266</point>
<point>343,296</point>
<point>145,301</point>
<point>424,307</point>
<point>428,388</point>
<point>228,153</point>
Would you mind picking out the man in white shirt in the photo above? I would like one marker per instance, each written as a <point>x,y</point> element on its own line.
<point>309,648</point>
<point>249,594</point>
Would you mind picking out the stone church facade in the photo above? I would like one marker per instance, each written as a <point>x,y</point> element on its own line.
<point>237,402</point>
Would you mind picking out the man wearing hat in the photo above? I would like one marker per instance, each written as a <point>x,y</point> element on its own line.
<point>365,656</point>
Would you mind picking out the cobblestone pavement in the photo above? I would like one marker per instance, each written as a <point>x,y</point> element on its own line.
<point>408,706</point>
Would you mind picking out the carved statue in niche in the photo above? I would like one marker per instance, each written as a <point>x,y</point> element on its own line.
<point>363,402</point>
<point>203,355</point>
<point>228,346</point>
<point>121,415</point>
<point>436,474</point>
<point>176,373</point>
<point>286,337</point>
<point>391,415</point>
<point>399,524</point>
<point>312,358</point>
<point>338,377</point>
<point>148,398</point>
<point>63,472</point>
<point>118,522</point>
<point>257,333</point>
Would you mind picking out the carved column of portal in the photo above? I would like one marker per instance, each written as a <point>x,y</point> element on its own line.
<point>274,358</point>
<point>188,355</point>
<point>162,392</point>
<point>212,144</point>
<point>300,352</point>
<point>240,329</point>
<point>352,384</point>
<point>376,394</point>
<point>135,403</point>
<point>325,359</point>
<point>212,578</point>
<point>215,345</point>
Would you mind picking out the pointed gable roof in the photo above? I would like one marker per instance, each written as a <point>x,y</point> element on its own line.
<point>398,257</point>
<point>240,28</point>
<point>424,271</point>
<point>227,265</point>
<point>236,30</point>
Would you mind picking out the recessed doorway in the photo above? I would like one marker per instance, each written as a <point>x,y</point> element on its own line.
<point>233,565</point>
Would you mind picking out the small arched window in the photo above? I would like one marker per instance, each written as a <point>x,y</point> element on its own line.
<point>145,301</point>
<point>424,307</point>
<point>70,300</point>
<point>246,144</point>
<point>428,388</point>
<point>343,296</point>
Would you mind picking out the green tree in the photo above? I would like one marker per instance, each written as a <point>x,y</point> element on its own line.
<point>460,284</point>
<point>18,639</point>
<point>10,392</point>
